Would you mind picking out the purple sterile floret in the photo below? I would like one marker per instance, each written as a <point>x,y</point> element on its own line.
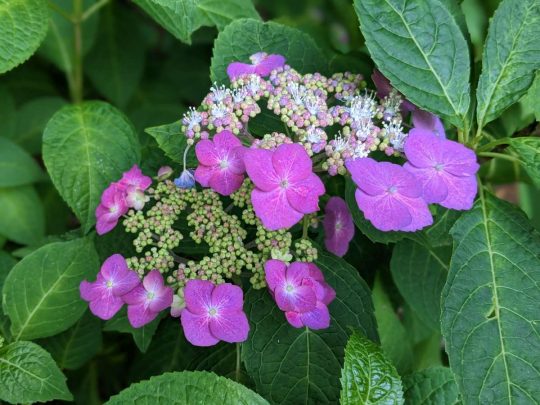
<point>148,299</point>
<point>426,121</point>
<point>136,179</point>
<point>338,226</point>
<point>389,196</point>
<point>221,166</point>
<point>112,206</point>
<point>446,169</point>
<point>261,64</point>
<point>285,186</point>
<point>213,313</point>
<point>114,280</point>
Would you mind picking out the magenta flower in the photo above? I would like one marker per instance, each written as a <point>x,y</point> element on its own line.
<point>112,206</point>
<point>220,163</point>
<point>261,64</point>
<point>446,169</point>
<point>426,121</point>
<point>285,186</point>
<point>384,88</point>
<point>114,280</point>
<point>213,313</point>
<point>136,179</point>
<point>338,226</point>
<point>300,291</point>
<point>389,196</point>
<point>148,299</point>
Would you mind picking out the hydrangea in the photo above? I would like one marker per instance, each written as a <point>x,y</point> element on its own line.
<point>113,282</point>
<point>389,196</point>
<point>185,180</point>
<point>446,169</point>
<point>220,163</point>
<point>338,226</point>
<point>285,186</point>
<point>426,121</point>
<point>261,64</point>
<point>213,313</point>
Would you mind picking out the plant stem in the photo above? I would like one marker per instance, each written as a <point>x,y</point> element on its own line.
<point>489,146</point>
<point>60,10</point>
<point>500,156</point>
<point>238,362</point>
<point>77,74</point>
<point>92,9</point>
<point>305,227</point>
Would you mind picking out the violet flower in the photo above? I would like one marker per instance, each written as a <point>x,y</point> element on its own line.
<point>112,206</point>
<point>338,226</point>
<point>261,64</point>
<point>426,121</point>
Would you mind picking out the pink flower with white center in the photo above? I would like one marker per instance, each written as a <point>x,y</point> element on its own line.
<point>213,313</point>
<point>112,206</point>
<point>148,299</point>
<point>261,64</point>
<point>285,186</point>
<point>220,163</point>
<point>114,280</point>
<point>135,183</point>
<point>338,226</point>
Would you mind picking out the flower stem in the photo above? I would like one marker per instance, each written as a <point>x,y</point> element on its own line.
<point>238,362</point>
<point>61,11</point>
<point>92,9</point>
<point>489,146</point>
<point>77,72</point>
<point>500,156</point>
<point>305,227</point>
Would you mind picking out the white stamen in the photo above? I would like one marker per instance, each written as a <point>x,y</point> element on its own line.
<point>192,118</point>
<point>219,92</point>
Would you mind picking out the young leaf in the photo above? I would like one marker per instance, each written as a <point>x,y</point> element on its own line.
<point>420,48</point>
<point>434,386</point>
<point>292,365</point>
<point>86,147</point>
<point>368,377</point>
<point>490,304</point>
<point>528,150</point>
<point>242,38</point>
<point>17,168</point>
<point>24,25</point>
<point>22,218</point>
<point>29,374</point>
<point>41,293</point>
<point>173,142</point>
<point>511,57</point>
<point>188,387</point>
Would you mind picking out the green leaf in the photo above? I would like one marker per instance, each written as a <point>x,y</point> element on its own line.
<point>533,97</point>
<point>438,234</point>
<point>85,148</point>
<point>17,168</point>
<point>29,374</point>
<point>183,17</point>
<point>490,305</point>
<point>188,387</point>
<point>6,264</point>
<point>292,365</point>
<point>433,386</point>
<point>115,67</point>
<point>368,377</point>
<point>420,48</point>
<point>74,347</point>
<point>7,112</point>
<point>22,218</point>
<point>419,271</point>
<point>510,57</point>
<point>173,142</point>
<point>24,25</point>
<point>242,38</point>
<point>41,293</point>
<point>528,150</point>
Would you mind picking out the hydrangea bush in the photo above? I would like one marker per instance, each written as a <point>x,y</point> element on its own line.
<point>322,222</point>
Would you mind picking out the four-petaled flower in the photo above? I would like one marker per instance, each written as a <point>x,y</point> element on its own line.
<point>261,64</point>
<point>148,299</point>
<point>114,280</point>
<point>285,186</point>
<point>389,196</point>
<point>338,226</point>
<point>446,169</point>
<point>135,183</point>
<point>220,163</point>
<point>213,313</point>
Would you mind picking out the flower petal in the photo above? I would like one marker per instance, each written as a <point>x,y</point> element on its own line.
<point>89,291</point>
<point>364,174</point>
<point>458,159</point>
<point>275,271</point>
<point>203,174</point>
<point>206,153</point>
<point>228,298</point>
<point>225,182</point>
<point>106,306</point>
<point>274,210</point>
<point>429,122</point>
<point>197,329</point>
<point>237,69</point>
<point>135,296</point>
<point>384,212</point>
<point>140,315</point>
<point>161,301</point>
<point>232,327</point>
<point>318,318</point>
<point>300,299</point>
<point>461,193</point>
<point>198,296</point>
<point>260,169</point>
<point>294,319</point>
<point>435,189</point>
<point>269,63</point>
<point>226,140</point>
<point>291,162</point>
<point>304,195</point>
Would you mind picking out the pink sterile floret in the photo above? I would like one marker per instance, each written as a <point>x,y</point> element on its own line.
<point>148,299</point>
<point>220,163</point>
<point>213,313</point>
<point>389,196</point>
<point>301,292</point>
<point>261,64</point>
<point>114,280</point>
<point>285,186</point>
<point>446,169</point>
<point>338,226</point>
<point>426,121</point>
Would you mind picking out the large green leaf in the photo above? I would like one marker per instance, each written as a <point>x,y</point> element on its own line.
<point>183,17</point>
<point>368,377</point>
<point>419,271</point>
<point>173,142</point>
<point>74,347</point>
<point>24,25</point>
<point>16,166</point>
<point>292,365</point>
<point>433,386</point>
<point>86,147</point>
<point>22,219</point>
<point>490,305</point>
<point>420,48</point>
<point>242,38</point>
<point>510,57</point>
<point>41,293</point>
<point>6,264</point>
<point>29,374</point>
<point>528,150</point>
<point>188,387</point>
